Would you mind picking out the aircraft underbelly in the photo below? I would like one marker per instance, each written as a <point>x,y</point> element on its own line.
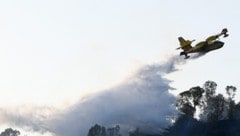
<point>203,47</point>
<point>213,46</point>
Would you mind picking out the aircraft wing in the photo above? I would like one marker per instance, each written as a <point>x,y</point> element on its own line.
<point>212,38</point>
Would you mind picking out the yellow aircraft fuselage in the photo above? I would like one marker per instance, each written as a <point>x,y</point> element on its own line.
<point>205,47</point>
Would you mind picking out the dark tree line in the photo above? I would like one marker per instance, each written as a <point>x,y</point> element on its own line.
<point>10,132</point>
<point>212,106</point>
<point>218,115</point>
<point>98,130</point>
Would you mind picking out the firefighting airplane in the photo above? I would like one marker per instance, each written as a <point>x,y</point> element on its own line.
<point>210,44</point>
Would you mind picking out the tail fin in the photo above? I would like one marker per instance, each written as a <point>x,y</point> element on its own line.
<point>224,32</point>
<point>185,44</point>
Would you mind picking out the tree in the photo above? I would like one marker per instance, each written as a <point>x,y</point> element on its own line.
<point>231,92</point>
<point>216,108</point>
<point>237,111</point>
<point>97,130</point>
<point>113,131</point>
<point>10,132</point>
<point>210,88</point>
<point>135,132</point>
<point>189,100</point>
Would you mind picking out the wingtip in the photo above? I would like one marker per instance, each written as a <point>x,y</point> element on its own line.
<point>178,48</point>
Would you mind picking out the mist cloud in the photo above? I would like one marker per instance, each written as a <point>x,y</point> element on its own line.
<point>29,118</point>
<point>142,101</point>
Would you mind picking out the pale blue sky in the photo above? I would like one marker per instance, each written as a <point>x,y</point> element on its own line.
<point>54,51</point>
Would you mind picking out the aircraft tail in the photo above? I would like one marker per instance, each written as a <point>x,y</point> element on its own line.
<point>224,32</point>
<point>185,44</point>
